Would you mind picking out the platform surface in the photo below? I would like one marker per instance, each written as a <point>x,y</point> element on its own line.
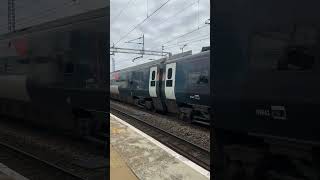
<point>118,167</point>
<point>147,158</point>
<point>8,174</point>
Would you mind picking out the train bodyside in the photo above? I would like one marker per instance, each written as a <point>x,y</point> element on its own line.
<point>186,87</point>
<point>178,85</point>
<point>266,98</point>
<point>54,69</point>
<point>138,85</point>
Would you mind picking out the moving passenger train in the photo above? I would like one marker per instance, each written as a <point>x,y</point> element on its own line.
<point>179,84</point>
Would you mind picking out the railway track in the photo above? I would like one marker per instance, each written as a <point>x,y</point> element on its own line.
<point>167,115</point>
<point>99,139</point>
<point>187,149</point>
<point>31,166</point>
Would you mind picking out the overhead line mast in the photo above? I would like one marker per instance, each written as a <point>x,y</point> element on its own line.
<point>11,16</point>
<point>114,50</point>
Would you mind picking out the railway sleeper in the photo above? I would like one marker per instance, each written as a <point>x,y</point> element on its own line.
<point>139,102</point>
<point>185,114</point>
<point>201,116</point>
<point>149,105</point>
<point>195,113</point>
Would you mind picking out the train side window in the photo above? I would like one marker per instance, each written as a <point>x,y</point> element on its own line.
<point>69,68</point>
<point>203,79</point>
<point>153,83</point>
<point>2,67</point>
<point>296,58</point>
<point>41,60</point>
<point>169,83</point>
<point>23,61</point>
<point>284,51</point>
<point>153,76</point>
<point>169,76</point>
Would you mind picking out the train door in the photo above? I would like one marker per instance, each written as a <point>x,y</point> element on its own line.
<point>170,81</point>
<point>152,82</point>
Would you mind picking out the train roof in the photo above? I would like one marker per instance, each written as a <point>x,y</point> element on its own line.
<point>93,14</point>
<point>198,55</point>
<point>140,66</point>
<point>165,60</point>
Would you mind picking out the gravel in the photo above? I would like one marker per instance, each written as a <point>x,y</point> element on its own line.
<point>190,132</point>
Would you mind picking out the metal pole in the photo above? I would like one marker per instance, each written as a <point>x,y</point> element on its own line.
<point>162,50</point>
<point>113,65</point>
<point>142,44</point>
<point>183,47</point>
<point>11,15</point>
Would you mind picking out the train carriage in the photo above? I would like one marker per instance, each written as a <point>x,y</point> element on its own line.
<point>187,87</point>
<point>137,85</point>
<point>266,100</point>
<point>53,74</point>
<point>179,85</point>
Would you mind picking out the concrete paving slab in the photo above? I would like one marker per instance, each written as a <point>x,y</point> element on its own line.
<point>118,168</point>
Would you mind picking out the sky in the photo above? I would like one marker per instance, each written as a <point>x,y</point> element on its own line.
<point>32,12</point>
<point>173,19</point>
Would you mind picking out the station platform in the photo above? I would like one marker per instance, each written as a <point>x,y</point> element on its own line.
<point>118,167</point>
<point>147,158</point>
<point>8,174</point>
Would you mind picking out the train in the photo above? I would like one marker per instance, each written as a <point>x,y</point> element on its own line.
<point>179,85</point>
<point>54,74</point>
<point>266,91</point>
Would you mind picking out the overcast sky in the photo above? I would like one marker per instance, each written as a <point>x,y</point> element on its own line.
<point>31,12</point>
<point>175,18</point>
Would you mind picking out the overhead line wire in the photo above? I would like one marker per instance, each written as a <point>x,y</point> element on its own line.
<point>186,34</point>
<point>187,42</point>
<point>182,35</point>
<point>182,10</point>
<point>144,20</point>
<point>121,11</point>
<point>190,39</point>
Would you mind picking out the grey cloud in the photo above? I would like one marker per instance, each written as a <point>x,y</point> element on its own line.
<point>155,35</point>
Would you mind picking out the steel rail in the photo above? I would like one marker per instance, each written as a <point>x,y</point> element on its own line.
<point>184,152</point>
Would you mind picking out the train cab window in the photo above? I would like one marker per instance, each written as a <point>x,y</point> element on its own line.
<point>169,76</point>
